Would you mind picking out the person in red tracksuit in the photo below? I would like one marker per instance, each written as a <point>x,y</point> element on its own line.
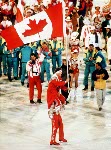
<point>34,68</point>
<point>55,102</point>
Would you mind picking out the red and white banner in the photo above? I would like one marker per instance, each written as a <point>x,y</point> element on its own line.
<point>44,25</point>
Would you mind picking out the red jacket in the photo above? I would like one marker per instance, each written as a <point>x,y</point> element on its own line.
<point>53,92</point>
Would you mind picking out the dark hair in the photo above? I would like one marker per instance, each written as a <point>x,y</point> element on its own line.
<point>91,45</point>
<point>33,54</point>
<point>45,43</point>
<point>108,16</point>
<point>57,69</point>
<point>97,48</point>
<point>99,64</point>
<point>64,59</point>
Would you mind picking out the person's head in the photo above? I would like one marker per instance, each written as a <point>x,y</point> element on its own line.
<point>44,45</point>
<point>58,72</point>
<point>29,12</point>
<point>108,28</point>
<point>108,17</point>
<point>33,56</point>
<point>91,47</point>
<point>74,53</point>
<point>32,43</point>
<point>92,30</point>
<point>98,66</point>
<point>5,18</point>
<point>66,11</point>
<point>36,8</point>
<point>97,49</point>
<point>97,8</point>
<point>64,62</point>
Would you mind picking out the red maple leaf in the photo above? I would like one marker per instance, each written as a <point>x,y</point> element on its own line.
<point>35,28</point>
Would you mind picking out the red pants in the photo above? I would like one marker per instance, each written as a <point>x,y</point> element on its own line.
<point>35,81</point>
<point>57,123</point>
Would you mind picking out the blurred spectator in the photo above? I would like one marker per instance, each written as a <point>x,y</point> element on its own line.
<point>12,62</point>
<point>82,8</point>
<point>56,48</point>
<point>85,29</point>
<point>100,75</point>
<point>74,65</point>
<point>5,23</point>
<point>97,24</point>
<point>66,12</point>
<point>89,5</point>
<point>106,9</point>
<point>74,42</point>
<point>89,60</point>
<point>99,57</point>
<point>74,17</point>
<point>105,23</point>
<point>109,47</point>
<point>7,8</point>
<point>25,57</point>
<point>81,24</point>
<point>93,38</point>
<point>36,9</point>
<point>29,13</point>
<point>97,10</point>
<point>46,62</point>
<point>33,69</point>
<point>69,26</point>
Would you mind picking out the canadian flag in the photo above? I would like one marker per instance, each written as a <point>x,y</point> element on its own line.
<point>44,25</point>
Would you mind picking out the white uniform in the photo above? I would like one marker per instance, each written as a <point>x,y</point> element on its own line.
<point>35,69</point>
<point>85,32</point>
<point>90,39</point>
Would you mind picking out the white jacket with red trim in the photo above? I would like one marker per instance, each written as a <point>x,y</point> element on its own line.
<point>35,69</point>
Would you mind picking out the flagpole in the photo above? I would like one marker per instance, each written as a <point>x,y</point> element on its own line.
<point>67,59</point>
<point>65,39</point>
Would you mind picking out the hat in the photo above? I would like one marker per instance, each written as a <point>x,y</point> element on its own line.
<point>74,35</point>
<point>68,19</point>
<point>97,6</point>
<point>75,51</point>
<point>29,10</point>
<point>92,28</point>
<point>108,27</point>
<point>66,8</point>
